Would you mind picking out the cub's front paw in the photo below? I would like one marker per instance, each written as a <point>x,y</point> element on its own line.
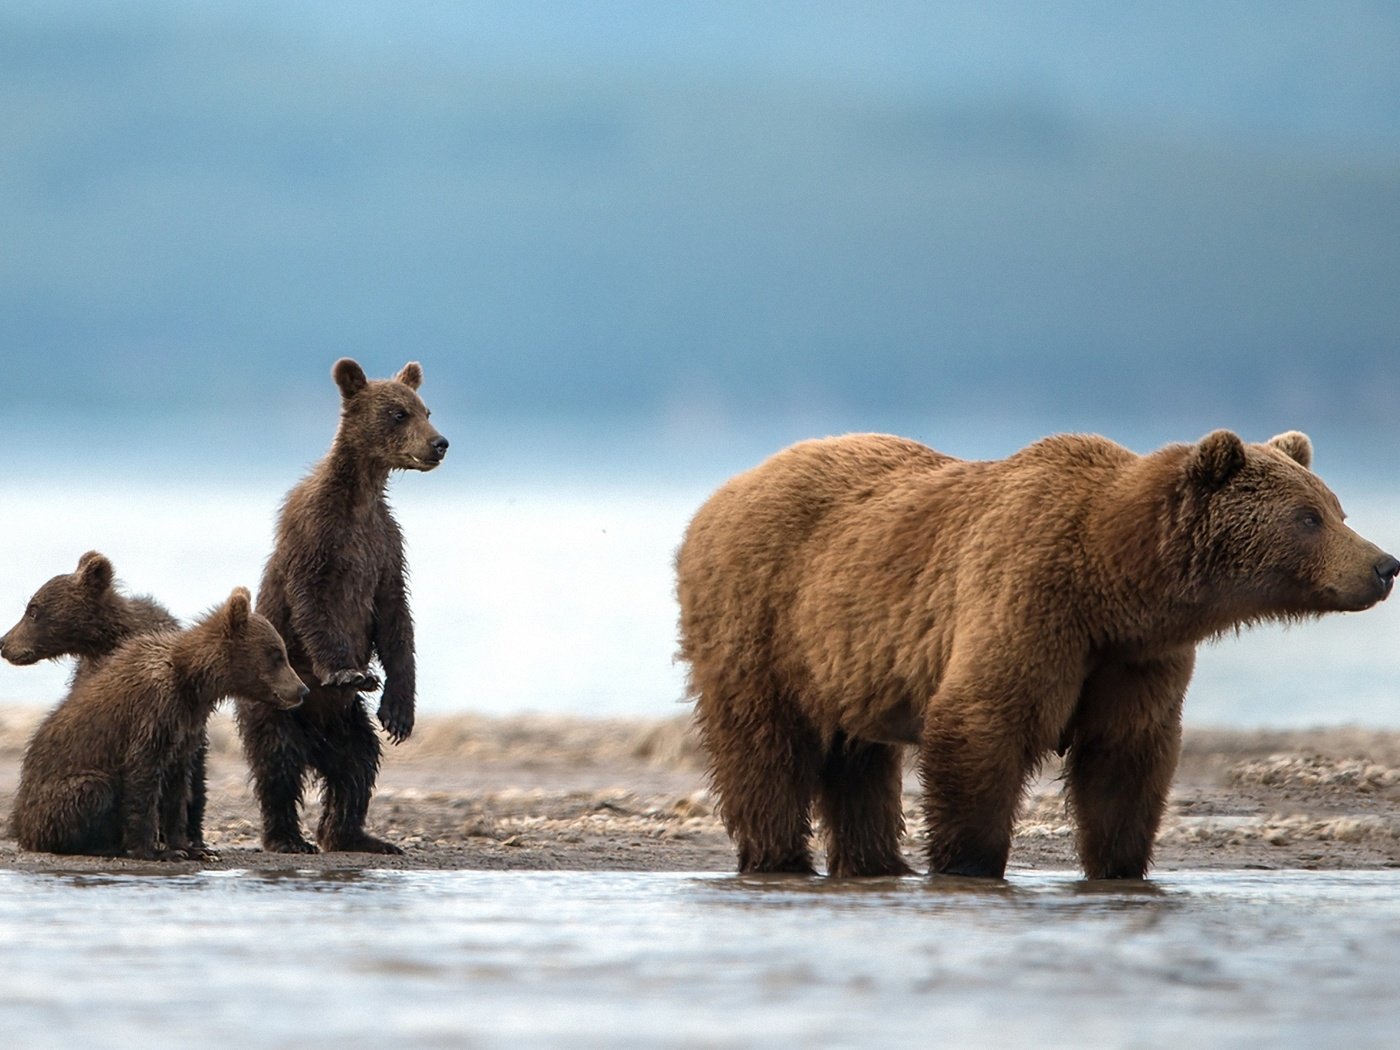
<point>352,679</point>
<point>397,718</point>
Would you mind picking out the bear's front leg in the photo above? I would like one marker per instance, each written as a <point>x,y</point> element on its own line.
<point>198,849</point>
<point>396,708</point>
<point>338,661</point>
<point>984,733</point>
<point>349,678</point>
<point>971,790</point>
<point>393,642</point>
<point>141,809</point>
<point>175,797</point>
<point>1124,742</point>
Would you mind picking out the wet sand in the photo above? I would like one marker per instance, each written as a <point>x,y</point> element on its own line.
<point>530,793</point>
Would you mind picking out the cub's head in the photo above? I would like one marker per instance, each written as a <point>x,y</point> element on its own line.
<point>71,615</point>
<point>1268,535</point>
<point>255,655</point>
<point>385,420</point>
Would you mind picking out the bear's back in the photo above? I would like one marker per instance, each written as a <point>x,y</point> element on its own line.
<point>737,563</point>
<point>122,700</point>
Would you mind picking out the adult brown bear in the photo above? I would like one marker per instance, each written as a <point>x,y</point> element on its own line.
<point>855,594</point>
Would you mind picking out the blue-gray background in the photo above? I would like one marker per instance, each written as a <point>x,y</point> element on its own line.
<point>654,241</point>
<point>1091,215</point>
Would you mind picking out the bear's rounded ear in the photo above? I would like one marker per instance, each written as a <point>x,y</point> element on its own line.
<point>95,571</point>
<point>349,376</point>
<point>1295,445</point>
<point>237,610</point>
<point>1217,458</point>
<point>411,375</point>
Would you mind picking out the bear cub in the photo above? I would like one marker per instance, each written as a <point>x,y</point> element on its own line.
<point>107,772</point>
<point>854,595</point>
<point>81,614</point>
<point>335,586</point>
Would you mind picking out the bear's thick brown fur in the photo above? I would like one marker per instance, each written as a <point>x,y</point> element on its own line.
<point>856,594</point>
<point>335,587</point>
<point>108,770</point>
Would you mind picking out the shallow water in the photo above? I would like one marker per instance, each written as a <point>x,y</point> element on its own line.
<point>426,959</point>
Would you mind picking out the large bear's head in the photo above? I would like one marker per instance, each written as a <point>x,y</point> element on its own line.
<point>384,420</point>
<point>1268,538</point>
<point>72,613</point>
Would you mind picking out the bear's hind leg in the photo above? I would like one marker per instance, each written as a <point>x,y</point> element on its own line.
<point>861,808</point>
<point>763,768</point>
<point>74,815</point>
<point>348,760</point>
<point>274,743</point>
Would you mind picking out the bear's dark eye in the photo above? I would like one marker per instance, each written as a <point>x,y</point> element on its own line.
<point>31,612</point>
<point>1310,519</point>
<point>400,414</point>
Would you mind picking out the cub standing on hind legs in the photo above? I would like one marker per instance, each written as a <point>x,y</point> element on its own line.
<point>108,770</point>
<point>82,614</point>
<point>335,588</point>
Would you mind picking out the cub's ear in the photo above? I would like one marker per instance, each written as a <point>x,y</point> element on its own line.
<point>95,571</point>
<point>1295,445</point>
<point>349,376</point>
<point>237,610</point>
<point>1217,458</point>
<point>411,375</point>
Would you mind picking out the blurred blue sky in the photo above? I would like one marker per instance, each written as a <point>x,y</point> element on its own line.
<point>703,219</point>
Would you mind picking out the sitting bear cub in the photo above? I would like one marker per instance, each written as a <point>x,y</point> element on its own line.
<point>108,770</point>
<point>83,614</point>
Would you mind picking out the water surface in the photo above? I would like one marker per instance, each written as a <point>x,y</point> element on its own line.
<point>425,959</point>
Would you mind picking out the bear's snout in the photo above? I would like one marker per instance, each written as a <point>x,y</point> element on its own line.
<point>19,655</point>
<point>294,700</point>
<point>439,446</point>
<point>1386,571</point>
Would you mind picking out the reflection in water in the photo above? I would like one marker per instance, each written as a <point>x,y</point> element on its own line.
<point>322,959</point>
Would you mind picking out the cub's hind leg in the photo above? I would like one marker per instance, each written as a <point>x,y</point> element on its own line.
<point>71,814</point>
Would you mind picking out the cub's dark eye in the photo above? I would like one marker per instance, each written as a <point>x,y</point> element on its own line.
<point>1310,519</point>
<point>31,613</point>
<point>400,414</point>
